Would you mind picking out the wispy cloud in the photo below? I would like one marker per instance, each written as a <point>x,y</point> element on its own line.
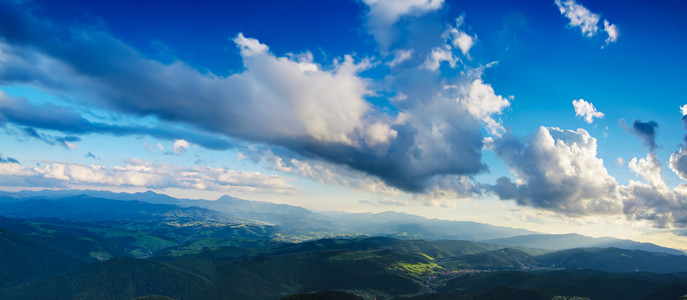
<point>8,160</point>
<point>383,14</point>
<point>59,118</point>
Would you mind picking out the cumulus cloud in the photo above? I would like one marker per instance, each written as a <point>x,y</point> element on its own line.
<point>678,159</point>
<point>271,100</point>
<point>651,169</point>
<point>138,173</point>
<point>383,14</point>
<point>556,170</point>
<point>587,21</point>
<point>654,202</point>
<point>318,114</point>
<point>586,110</point>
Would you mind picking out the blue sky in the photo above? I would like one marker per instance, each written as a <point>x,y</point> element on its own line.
<point>556,116</point>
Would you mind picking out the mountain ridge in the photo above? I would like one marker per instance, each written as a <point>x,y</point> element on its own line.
<point>295,222</point>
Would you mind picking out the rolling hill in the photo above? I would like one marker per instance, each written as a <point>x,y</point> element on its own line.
<point>502,259</point>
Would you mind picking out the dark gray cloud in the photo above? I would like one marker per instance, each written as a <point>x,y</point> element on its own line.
<point>64,141</point>
<point>91,155</point>
<point>505,188</point>
<point>559,171</point>
<point>52,117</point>
<point>8,159</point>
<point>316,115</point>
<point>646,131</point>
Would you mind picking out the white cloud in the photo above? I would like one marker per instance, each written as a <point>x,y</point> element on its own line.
<point>250,46</point>
<point>274,98</point>
<point>683,110</point>
<point>587,21</point>
<point>619,161</point>
<point>612,32</point>
<point>650,169</point>
<point>654,202</point>
<point>325,105</point>
<point>379,133</point>
<point>138,173</point>
<point>385,13</point>
<point>678,162</point>
<point>482,102</point>
<point>459,38</point>
<point>180,146</point>
<point>400,56</point>
<point>586,110</point>
<point>287,101</point>
<point>579,16</point>
<point>337,175</point>
<point>386,201</point>
<point>447,191</point>
<point>399,97</point>
<point>464,42</point>
<point>558,170</point>
<point>392,10</point>
<point>438,55</point>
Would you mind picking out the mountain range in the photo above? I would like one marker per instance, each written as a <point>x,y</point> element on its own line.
<point>93,244</point>
<point>297,222</point>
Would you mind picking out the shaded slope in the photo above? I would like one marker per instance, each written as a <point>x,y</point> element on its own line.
<point>119,278</point>
<point>592,284</point>
<point>615,260</point>
<point>24,259</point>
<point>280,276</point>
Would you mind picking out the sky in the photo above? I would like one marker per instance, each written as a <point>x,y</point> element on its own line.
<point>556,115</point>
